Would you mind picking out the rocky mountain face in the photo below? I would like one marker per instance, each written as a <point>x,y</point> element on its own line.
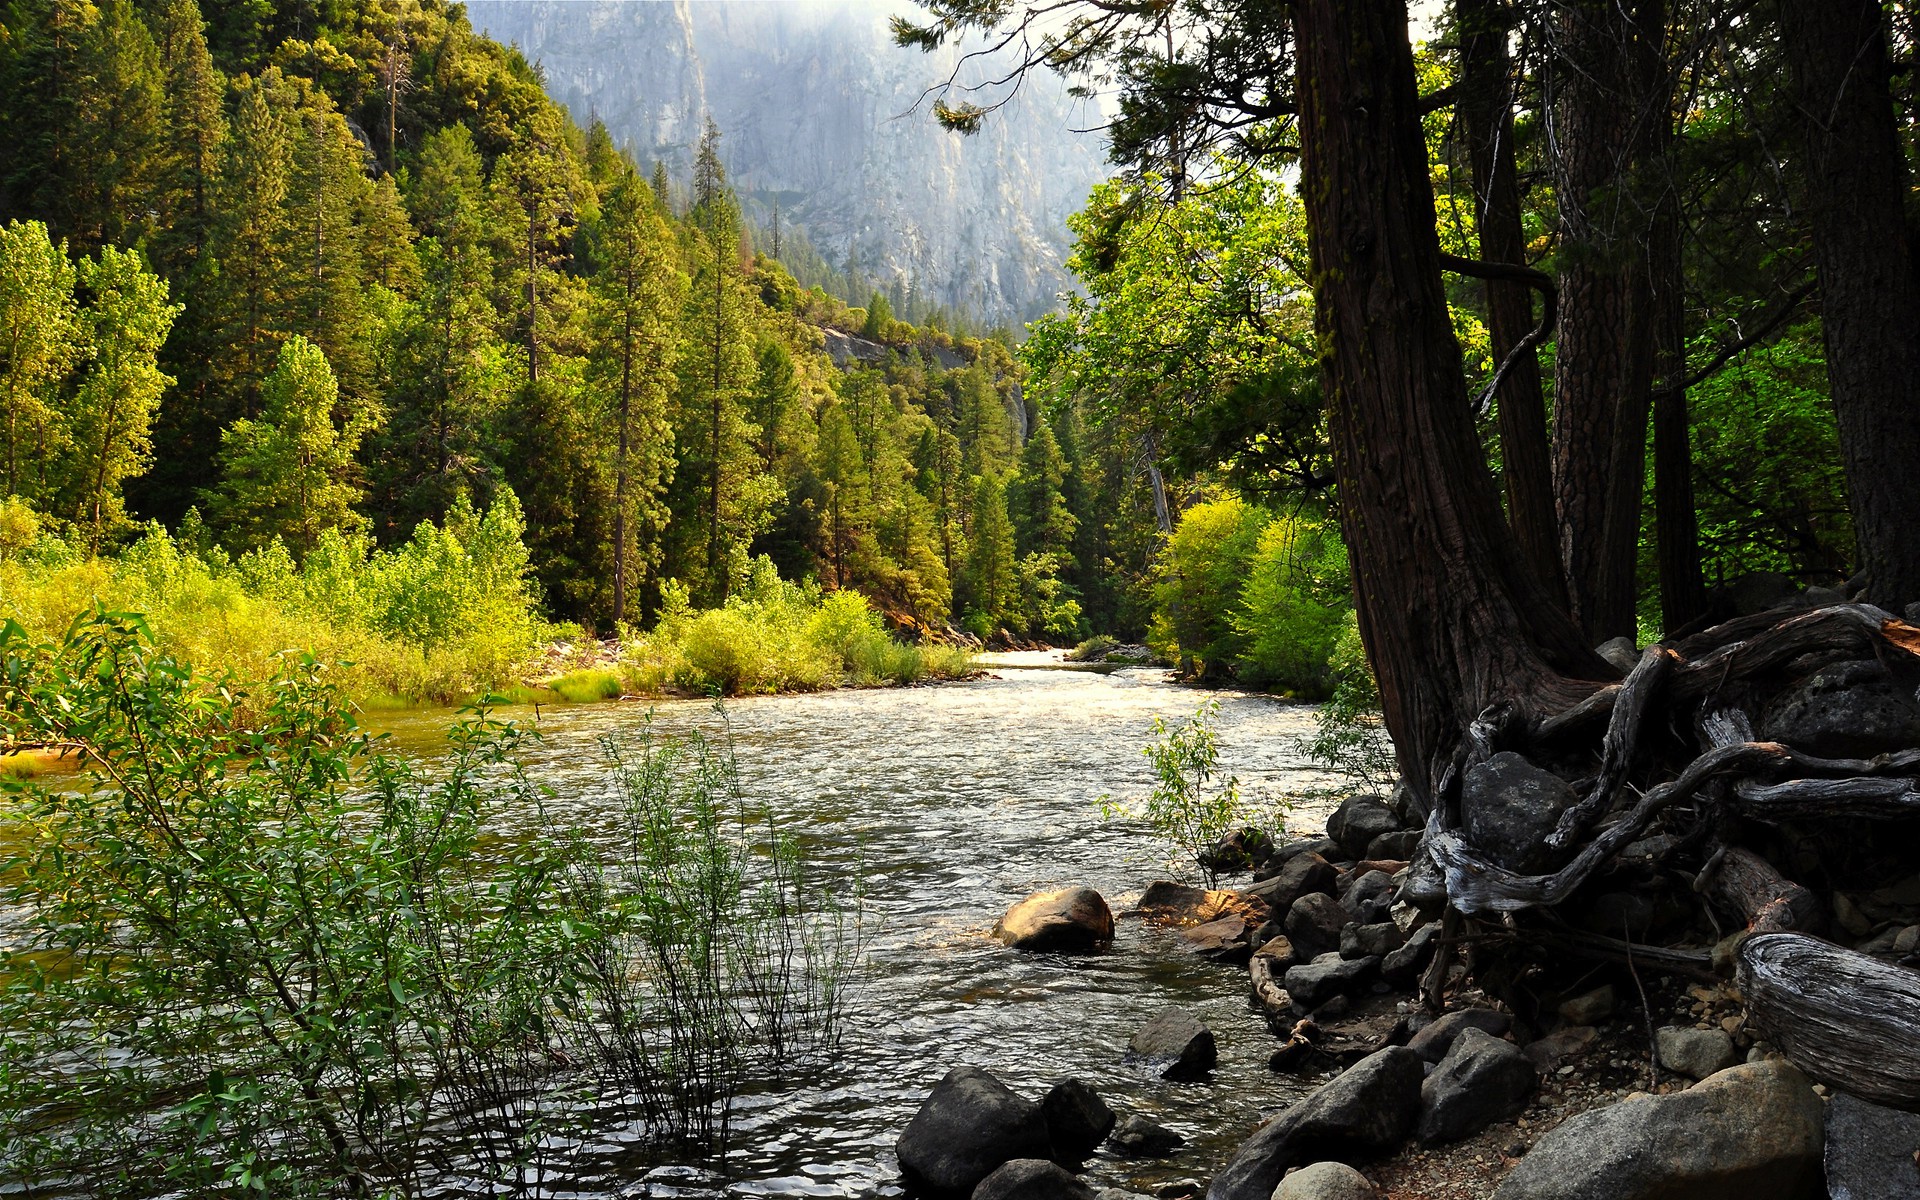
<point>816,109</point>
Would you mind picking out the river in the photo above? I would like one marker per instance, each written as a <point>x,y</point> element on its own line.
<point>952,802</point>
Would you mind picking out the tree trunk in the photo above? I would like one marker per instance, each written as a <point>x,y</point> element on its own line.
<point>1451,618</point>
<point>1607,101</point>
<point>1869,294</point>
<point>1486,110</point>
<point>1683,593</point>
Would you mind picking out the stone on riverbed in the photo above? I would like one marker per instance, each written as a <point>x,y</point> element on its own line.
<point>1070,920</point>
<point>970,1124</point>
<point>1183,904</point>
<point>1326,1181</point>
<point>1870,1151</point>
<point>1314,983</point>
<point>1359,820</point>
<point>1138,1137</point>
<point>1297,877</point>
<point>1078,1120</point>
<point>1031,1179</point>
<point>1371,941</point>
<point>1224,940</point>
<point>1364,1112</point>
<point>1752,1132</point>
<point>1438,1035</point>
<point>1695,1053</point>
<point>1481,1080</point>
<point>1314,923</point>
<point>1176,1044</point>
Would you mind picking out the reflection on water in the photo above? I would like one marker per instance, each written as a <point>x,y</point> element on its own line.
<point>950,803</point>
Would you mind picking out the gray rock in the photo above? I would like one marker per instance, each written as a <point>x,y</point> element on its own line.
<point>1695,1053</point>
<point>1912,612</point>
<point>1359,820</point>
<point>1282,855</point>
<point>1509,807</point>
<point>1437,1036</point>
<point>1241,850</point>
<point>1589,1008</point>
<point>1326,1181</point>
<point>1138,1137</point>
<point>1078,1120</point>
<point>970,1124</point>
<point>1847,710</point>
<point>1364,890</point>
<point>1481,1080</point>
<point>1550,1051</point>
<point>1907,940</point>
<point>1069,920</point>
<point>1404,965</point>
<point>1312,984</point>
<point>1314,924</point>
<point>1397,846</point>
<point>1408,805</point>
<point>1365,1111</point>
<point>1821,597</point>
<point>1371,941</point>
<point>1280,950</point>
<point>1752,1132</point>
<point>1302,875</point>
<point>1870,1151</point>
<point>1031,1179</point>
<point>1176,1044</point>
<point>1620,652</point>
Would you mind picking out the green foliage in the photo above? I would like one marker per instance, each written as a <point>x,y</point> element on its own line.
<point>1186,807</point>
<point>1294,605</point>
<point>1349,737</point>
<point>1198,580</point>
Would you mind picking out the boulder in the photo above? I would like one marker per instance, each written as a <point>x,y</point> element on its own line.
<point>1119,1194</point>
<point>1481,1080</point>
<point>1509,806</point>
<point>1077,1119</point>
<point>1302,875</point>
<point>1359,820</point>
<point>1398,845</point>
<point>1312,984</point>
<point>1138,1137</point>
<point>1069,920</point>
<point>1031,1179</point>
<point>1282,855</point>
<point>1225,940</point>
<point>1314,923</point>
<point>1365,1111</point>
<point>970,1124</point>
<point>1366,888</point>
<point>1752,1132</point>
<point>1403,966</point>
<point>1326,1181</point>
<point>1176,1044</point>
<point>1870,1151</point>
<point>1371,941</point>
<point>1695,1053</point>
<point>1280,950</point>
<point>1182,904</point>
<point>1847,710</point>
<point>1437,1036</point>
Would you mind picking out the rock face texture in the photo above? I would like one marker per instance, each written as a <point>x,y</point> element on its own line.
<point>1363,1112</point>
<point>812,100</point>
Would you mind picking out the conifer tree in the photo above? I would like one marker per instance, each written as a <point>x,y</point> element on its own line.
<point>193,141</point>
<point>1042,523</point>
<point>992,588</point>
<point>40,338</point>
<point>253,243</point>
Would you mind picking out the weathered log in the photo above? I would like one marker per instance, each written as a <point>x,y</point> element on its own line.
<point>1269,995</point>
<point>1846,1019</point>
<point>1746,884</point>
<point>1804,799</point>
<point>1670,960</point>
<point>1631,704</point>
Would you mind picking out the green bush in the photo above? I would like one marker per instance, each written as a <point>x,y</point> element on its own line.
<point>1293,606</point>
<point>1197,584</point>
<point>1186,808</point>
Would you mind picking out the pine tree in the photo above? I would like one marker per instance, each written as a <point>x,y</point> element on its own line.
<point>40,338</point>
<point>1042,523</point>
<point>843,469</point>
<point>193,143</point>
<point>533,185</point>
<point>327,189</point>
<point>992,588</point>
<point>254,244</point>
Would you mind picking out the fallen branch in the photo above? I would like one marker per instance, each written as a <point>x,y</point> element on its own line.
<point>1847,1020</point>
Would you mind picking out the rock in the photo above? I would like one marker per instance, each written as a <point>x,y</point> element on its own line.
<point>1549,1051</point>
<point>1907,940</point>
<point>1371,941</point>
<point>1077,1119</point>
<point>1365,1111</point>
<point>1404,965</point>
<point>1847,710</point>
<point>1312,984</point>
<point>1314,924</point>
<point>1509,807</point>
<point>1589,1008</point>
<point>1409,805</point>
<point>1695,1053</point>
<point>1238,851</point>
<point>1119,1194</point>
<point>1821,597</point>
<point>1870,1151</point>
<point>1031,1179</point>
<point>1620,652</point>
<point>1280,950</point>
<point>1300,876</point>
<point>1282,855</point>
<point>970,1124</point>
<point>1437,1036</point>
<point>1181,904</point>
<point>1326,1181</point>
<point>1399,845</point>
<point>1364,890</point>
<point>1070,920</point>
<point>1138,1137</point>
<point>1359,820</point>
<point>1225,939</point>
<point>1175,1043</point>
<point>1481,1080</point>
<point>1752,1132</point>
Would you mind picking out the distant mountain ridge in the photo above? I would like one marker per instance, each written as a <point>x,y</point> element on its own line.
<point>813,102</point>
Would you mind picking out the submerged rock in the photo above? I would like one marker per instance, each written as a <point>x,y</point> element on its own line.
<point>1068,920</point>
<point>1364,1112</point>
<point>1176,1044</point>
<point>970,1124</point>
<point>1138,1137</point>
<point>1031,1179</point>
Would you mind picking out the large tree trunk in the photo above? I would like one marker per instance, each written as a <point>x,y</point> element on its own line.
<point>1605,109</point>
<point>1451,617</point>
<point>1869,295</point>
<point>1486,111</point>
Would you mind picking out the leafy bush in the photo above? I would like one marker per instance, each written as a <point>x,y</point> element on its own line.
<point>1094,649</point>
<point>1349,736</point>
<point>1293,606</point>
<point>1197,584</point>
<point>1185,808</point>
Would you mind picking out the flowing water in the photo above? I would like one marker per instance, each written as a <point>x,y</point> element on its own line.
<point>951,802</point>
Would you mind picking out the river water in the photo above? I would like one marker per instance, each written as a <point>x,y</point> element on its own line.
<point>951,802</point>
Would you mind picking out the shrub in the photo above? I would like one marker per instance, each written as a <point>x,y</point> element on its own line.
<point>1293,606</point>
<point>1185,807</point>
<point>1197,583</point>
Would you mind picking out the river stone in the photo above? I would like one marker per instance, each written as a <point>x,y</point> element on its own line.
<point>1300,876</point>
<point>1225,940</point>
<point>1847,710</point>
<point>1404,965</point>
<point>1358,821</point>
<point>1589,1008</point>
<point>1371,941</point>
<point>1695,1053</point>
<point>1870,1151</point>
<point>1138,1137</point>
<point>1176,1043</point>
<point>1282,855</point>
<point>1366,889</point>
<point>1312,984</point>
<point>1326,1181</point>
<point>1119,1194</point>
<point>1314,924</point>
<point>1069,920</point>
<point>1183,904</point>
<point>1509,806</point>
<point>1365,1111</point>
<point>1481,1080</point>
<point>1437,1036</point>
<point>1280,950</point>
<point>1752,1132</point>
<point>970,1124</point>
<point>1397,846</point>
<point>1078,1120</point>
<point>1031,1179</point>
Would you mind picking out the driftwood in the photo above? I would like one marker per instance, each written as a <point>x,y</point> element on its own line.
<point>1846,1019</point>
<point>1269,995</point>
<point>1746,884</point>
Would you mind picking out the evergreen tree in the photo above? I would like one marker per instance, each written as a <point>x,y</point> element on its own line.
<point>253,243</point>
<point>327,189</point>
<point>534,186</point>
<point>1042,522</point>
<point>193,141</point>
<point>843,470</point>
<point>986,436</point>
<point>879,316</point>
<point>40,338</point>
<point>992,588</point>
